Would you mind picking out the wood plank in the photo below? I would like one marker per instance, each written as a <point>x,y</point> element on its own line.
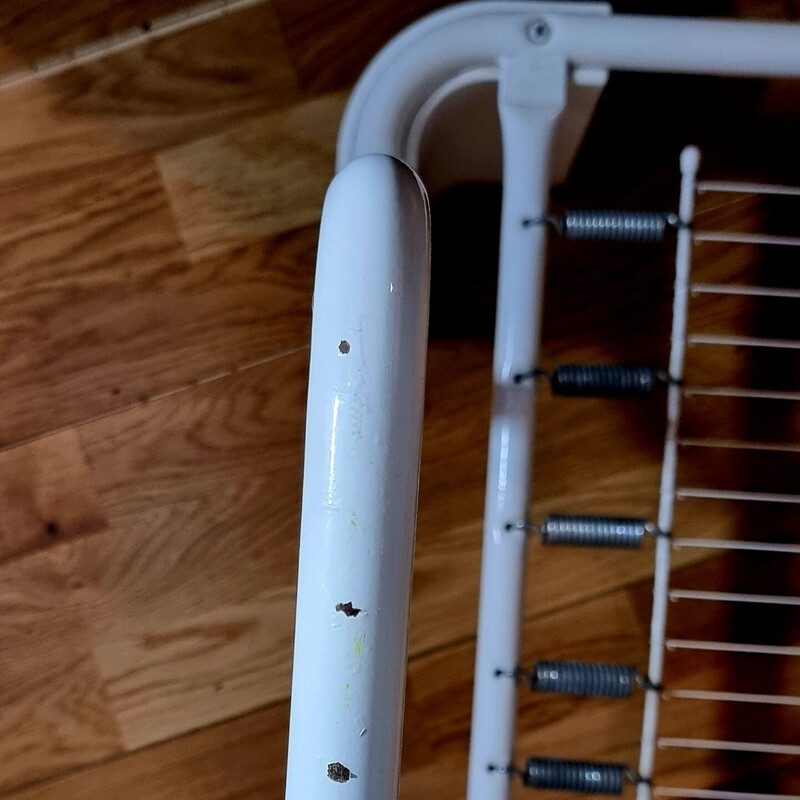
<point>54,714</point>
<point>185,675</point>
<point>163,93</point>
<point>47,495</point>
<point>254,180</point>
<point>243,759</point>
<point>331,42</point>
<point>33,31</point>
<point>131,318</point>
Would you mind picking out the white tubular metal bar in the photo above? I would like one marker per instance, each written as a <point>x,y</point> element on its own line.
<point>735,444</point>
<point>746,238</point>
<point>725,494</point>
<point>747,188</point>
<point>724,340</point>
<point>738,747</point>
<point>733,597</point>
<point>727,544</point>
<point>732,697</point>
<point>735,391</point>
<point>363,438</point>
<point>733,647</point>
<point>426,55</point>
<point>718,794</point>
<point>739,289</point>
<point>690,163</point>
<point>530,101</point>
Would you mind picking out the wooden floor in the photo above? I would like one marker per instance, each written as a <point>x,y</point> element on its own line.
<point>162,167</point>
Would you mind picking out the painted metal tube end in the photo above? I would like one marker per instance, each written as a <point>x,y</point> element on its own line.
<point>363,441</point>
<point>690,160</point>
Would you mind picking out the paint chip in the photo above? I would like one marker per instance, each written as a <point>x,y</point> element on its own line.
<point>339,773</point>
<point>344,347</point>
<point>347,609</point>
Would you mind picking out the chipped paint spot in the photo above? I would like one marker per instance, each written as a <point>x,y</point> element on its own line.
<point>339,773</point>
<point>344,347</point>
<point>359,644</point>
<point>347,609</point>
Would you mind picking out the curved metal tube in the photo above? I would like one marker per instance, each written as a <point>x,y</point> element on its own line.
<point>468,36</point>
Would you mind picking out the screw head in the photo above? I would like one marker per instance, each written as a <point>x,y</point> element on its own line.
<point>538,31</point>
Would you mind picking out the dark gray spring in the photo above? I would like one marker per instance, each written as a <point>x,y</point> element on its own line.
<point>574,776</point>
<point>585,679</point>
<point>586,531</point>
<point>602,380</point>
<point>628,226</point>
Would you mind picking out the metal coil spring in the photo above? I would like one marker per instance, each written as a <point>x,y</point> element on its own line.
<point>585,531</point>
<point>602,380</point>
<point>574,776</point>
<point>585,679</point>
<point>628,226</point>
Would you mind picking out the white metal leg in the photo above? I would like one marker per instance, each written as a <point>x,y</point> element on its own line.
<point>527,117</point>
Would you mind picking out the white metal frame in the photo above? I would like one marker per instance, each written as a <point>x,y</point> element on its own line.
<point>536,49</point>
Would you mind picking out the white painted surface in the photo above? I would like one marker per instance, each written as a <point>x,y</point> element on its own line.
<point>530,100</point>
<point>363,438</point>
<point>690,163</point>
<point>476,35</point>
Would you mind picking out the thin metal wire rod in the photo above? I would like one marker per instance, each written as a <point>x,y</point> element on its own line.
<point>742,289</point>
<point>733,597</point>
<point>718,794</point>
<point>733,647</point>
<point>746,238</point>
<point>736,444</point>
<point>724,494</point>
<point>737,187</point>
<point>727,544</point>
<point>690,162</point>
<point>725,340</point>
<point>738,747</point>
<point>732,697</point>
<point>735,391</point>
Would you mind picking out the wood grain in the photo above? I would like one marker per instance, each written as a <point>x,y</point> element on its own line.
<point>32,31</point>
<point>54,713</point>
<point>47,494</point>
<point>243,758</point>
<point>256,179</point>
<point>330,43</point>
<point>160,94</point>
<point>92,338</point>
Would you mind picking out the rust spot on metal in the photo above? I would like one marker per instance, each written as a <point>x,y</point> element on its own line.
<point>339,773</point>
<point>347,609</point>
